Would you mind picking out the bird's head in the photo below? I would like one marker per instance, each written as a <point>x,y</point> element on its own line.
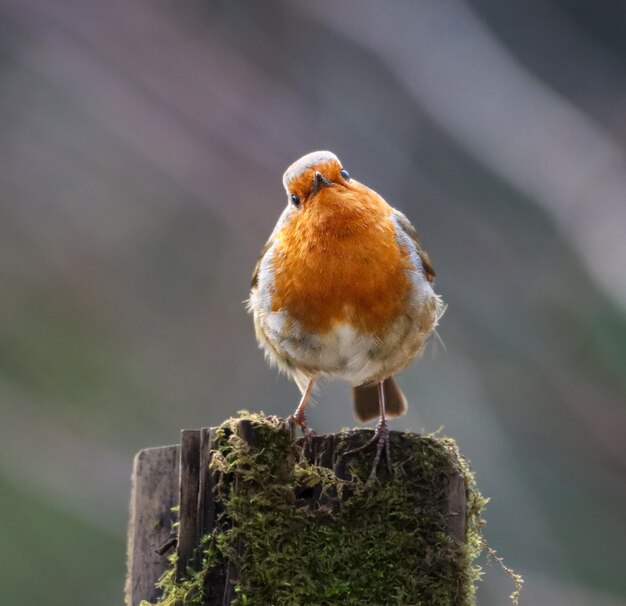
<point>314,176</point>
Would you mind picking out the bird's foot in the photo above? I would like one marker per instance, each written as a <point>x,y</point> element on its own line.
<point>299,418</point>
<point>381,438</point>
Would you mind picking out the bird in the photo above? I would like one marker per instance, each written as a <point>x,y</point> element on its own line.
<point>343,289</point>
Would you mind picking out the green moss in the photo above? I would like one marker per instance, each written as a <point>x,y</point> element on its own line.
<point>383,542</point>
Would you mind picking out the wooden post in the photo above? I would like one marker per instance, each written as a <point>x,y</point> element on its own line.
<point>164,477</point>
<point>155,486</point>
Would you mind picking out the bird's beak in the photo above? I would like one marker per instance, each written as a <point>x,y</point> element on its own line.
<point>319,181</point>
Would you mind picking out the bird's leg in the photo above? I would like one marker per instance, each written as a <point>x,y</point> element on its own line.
<point>380,437</point>
<point>299,415</point>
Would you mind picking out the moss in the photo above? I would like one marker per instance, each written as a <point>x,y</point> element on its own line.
<point>362,543</point>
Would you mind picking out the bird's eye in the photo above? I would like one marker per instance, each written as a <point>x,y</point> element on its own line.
<point>295,200</point>
<point>345,174</point>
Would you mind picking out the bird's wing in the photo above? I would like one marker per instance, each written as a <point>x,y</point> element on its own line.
<point>284,217</point>
<point>409,230</point>
<point>257,267</point>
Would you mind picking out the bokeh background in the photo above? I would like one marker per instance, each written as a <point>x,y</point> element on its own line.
<point>141,151</point>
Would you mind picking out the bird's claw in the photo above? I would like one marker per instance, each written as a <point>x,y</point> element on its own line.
<point>299,418</point>
<point>382,439</point>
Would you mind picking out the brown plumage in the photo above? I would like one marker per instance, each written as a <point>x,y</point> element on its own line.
<point>366,405</point>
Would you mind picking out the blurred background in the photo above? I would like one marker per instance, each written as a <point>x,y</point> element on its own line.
<point>142,146</point>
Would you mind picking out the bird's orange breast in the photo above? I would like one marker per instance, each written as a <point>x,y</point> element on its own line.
<point>338,260</point>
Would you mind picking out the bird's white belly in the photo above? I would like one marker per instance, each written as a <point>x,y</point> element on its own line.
<point>343,352</point>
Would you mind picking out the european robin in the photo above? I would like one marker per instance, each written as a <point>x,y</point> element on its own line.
<point>343,289</point>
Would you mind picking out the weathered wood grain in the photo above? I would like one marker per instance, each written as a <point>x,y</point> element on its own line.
<point>206,504</point>
<point>189,485</point>
<point>155,483</point>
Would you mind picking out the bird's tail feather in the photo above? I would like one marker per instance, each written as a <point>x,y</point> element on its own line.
<point>365,400</point>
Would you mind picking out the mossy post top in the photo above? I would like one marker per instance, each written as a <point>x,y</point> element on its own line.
<point>280,521</point>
